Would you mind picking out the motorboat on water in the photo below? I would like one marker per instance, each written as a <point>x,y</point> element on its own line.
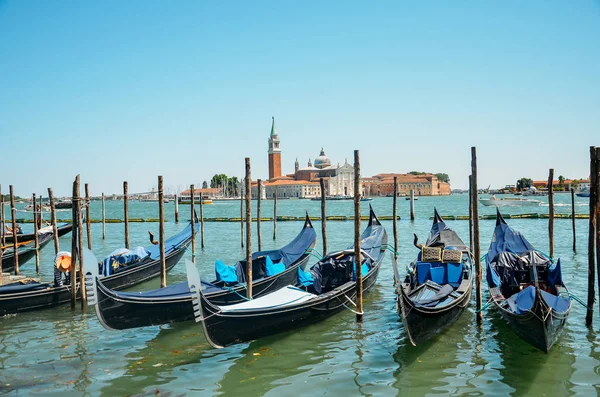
<point>509,201</point>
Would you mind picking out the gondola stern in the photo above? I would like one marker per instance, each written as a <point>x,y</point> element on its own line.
<point>499,218</point>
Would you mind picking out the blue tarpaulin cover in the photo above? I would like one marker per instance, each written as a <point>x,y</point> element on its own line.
<point>122,257</point>
<point>271,268</point>
<point>225,273</point>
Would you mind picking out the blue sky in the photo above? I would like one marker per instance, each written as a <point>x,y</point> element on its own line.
<point>134,89</point>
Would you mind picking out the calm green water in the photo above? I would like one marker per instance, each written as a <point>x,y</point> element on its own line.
<point>56,351</point>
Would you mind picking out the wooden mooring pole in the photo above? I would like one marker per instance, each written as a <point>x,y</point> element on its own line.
<point>177,209</point>
<point>126,213</point>
<point>471,245</point>
<point>591,239</point>
<point>242,215</point>
<point>103,219</point>
<point>258,201</point>
<point>592,236</point>
<point>41,217</point>
<point>81,258</point>
<point>357,253</point>
<point>35,232</point>
<point>53,220</point>
<point>161,232</point>
<point>323,216</point>
<point>551,210</point>
<point>13,213</point>
<point>412,205</point>
<point>201,221</point>
<point>88,220</point>
<point>475,220</point>
<point>248,230</point>
<point>74,241</point>
<point>395,220</point>
<point>275,214</point>
<point>597,209</point>
<point>2,231</point>
<point>193,221</point>
<point>573,219</point>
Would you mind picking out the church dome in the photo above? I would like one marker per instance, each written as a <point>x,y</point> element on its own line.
<point>322,161</point>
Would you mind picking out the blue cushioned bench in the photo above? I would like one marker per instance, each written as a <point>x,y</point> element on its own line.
<point>440,273</point>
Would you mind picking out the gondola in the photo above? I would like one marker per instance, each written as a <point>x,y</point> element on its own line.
<point>21,238</point>
<point>25,252</point>
<point>35,295</point>
<point>123,310</point>
<point>438,284</point>
<point>526,287</point>
<point>332,289</point>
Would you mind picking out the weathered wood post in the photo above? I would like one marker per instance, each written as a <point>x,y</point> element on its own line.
<point>13,214</point>
<point>412,205</point>
<point>53,220</point>
<point>193,221</point>
<point>471,245</point>
<point>597,198</point>
<point>202,221</point>
<point>41,219</point>
<point>395,219</point>
<point>573,219</point>
<point>35,232</point>
<point>242,215</point>
<point>177,209</point>
<point>258,198</point>
<point>592,236</point>
<point>248,230</point>
<point>2,228</point>
<point>551,211</point>
<point>81,272</point>
<point>88,219</point>
<point>477,248</point>
<point>323,216</point>
<point>74,241</point>
<point>103,219</point>
<point>357,253</point>
<point>126,214</point>
<point>161,232</point>
<point>275,214</point>
<point>2,231</point>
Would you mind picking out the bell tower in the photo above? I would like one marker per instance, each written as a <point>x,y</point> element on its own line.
<point>274,153</point>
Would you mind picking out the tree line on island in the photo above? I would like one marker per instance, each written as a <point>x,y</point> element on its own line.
<point>441,176</point>
<point>526,183</point>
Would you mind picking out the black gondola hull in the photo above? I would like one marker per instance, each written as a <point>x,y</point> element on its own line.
<point>227,329</point>
<point>423,324</point>
<point>53,296</point>
<point>21,238</point>
<point>25,254</point>
<point>118,312</point>
<point>541,327</point>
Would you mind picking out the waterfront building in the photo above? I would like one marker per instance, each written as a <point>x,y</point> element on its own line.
<point>423,185</point>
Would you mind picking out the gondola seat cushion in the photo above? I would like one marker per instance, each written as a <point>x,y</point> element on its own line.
<point>271,268</point>
<point>423,272</point>
<point>364,270</point>
<point>225,273</point>
<point>454,273</point>
<point>304,278</point>
<point>438,274</point>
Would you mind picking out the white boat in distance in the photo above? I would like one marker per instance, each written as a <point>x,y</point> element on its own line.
<point>509,201</point>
